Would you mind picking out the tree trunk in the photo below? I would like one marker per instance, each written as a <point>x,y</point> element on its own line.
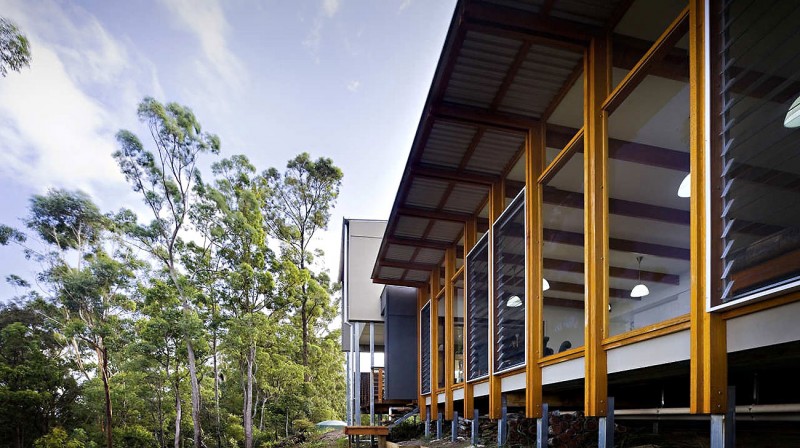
<point>177,409</point>
<point>247,413</point>
<point>198,442</point>
<point>159,398</point>
<point>102,362</point>
<point>216,390</point>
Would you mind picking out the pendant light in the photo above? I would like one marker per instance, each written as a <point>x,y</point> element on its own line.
<point>685,189</point>
<point>792,119</point>
<point>640,290</point>
<point>514,302</point>
<point>545,284</point>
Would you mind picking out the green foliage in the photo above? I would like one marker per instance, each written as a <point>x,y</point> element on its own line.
<point>58,438</point>
<point>15,51</point>
<point>133,436</point>
<point>302,426</point>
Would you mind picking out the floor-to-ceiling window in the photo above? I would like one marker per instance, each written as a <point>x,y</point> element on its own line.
<point>509,286</point>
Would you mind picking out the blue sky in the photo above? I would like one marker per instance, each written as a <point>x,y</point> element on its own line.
<point>336,78</point>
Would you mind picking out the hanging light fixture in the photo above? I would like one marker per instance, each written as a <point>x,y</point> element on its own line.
<point>514,302</point>
<point>545,284</point>
<point>685,189</point>
<point>640,290</point>
<point>792,119</point>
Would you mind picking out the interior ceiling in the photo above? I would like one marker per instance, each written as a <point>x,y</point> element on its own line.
<point>506,65</point>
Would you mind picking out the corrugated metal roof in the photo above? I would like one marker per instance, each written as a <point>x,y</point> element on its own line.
<point>446,144</point>
<point>417,276</point>
<point>525,5</point>
<point>494,152</point>
<point>539,79</point>
<point>589,12</point>
<point>397,252</point>
<point>466,198</point>
<point>426,193</point>
<point>480,69</point>
<point>411,227</point>
<point>445,231</point>
<point>391,273</point>
<point>429,256</point>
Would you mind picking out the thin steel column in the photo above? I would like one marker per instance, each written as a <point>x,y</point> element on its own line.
<point>730,419</point>
<point>542,427</point>
<point>606,427</point>
<point>502,424</point>
<point>348,388</point>
<point>357,373</point>
<point>475,426</point>
<point>427,421</point>
<point>454,427</point>
<point>439,418</point>
<point>372,373</point>
<point>717,431</point>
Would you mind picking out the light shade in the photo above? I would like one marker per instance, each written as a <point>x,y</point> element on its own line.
<point>792,119</point>
<point>545,284</point>
<point>514,302</point>
<point>640,290</point>
<point>685,190</point>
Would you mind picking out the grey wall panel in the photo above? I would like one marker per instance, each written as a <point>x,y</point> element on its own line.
<point>400,359</point>
<point>769,327</point>
<point>361,250</point>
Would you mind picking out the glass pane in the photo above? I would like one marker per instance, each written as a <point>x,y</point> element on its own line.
<point>425,348</point>
<point>509,274</point>
<point>637,31</point>
<point>648,211</point>
<point>478,310</point>
<point>458,330</point>
<point>562,258</point>
<point>760,120</point>
<point>440,366</point>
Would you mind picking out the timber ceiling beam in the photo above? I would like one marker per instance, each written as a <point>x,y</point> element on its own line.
<point>481,117</point>
<point>412,266</point>
<point>449,175</point>
<point>414,242</point>
<point>433,214</point>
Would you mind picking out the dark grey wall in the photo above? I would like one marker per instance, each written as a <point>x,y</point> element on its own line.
<point>400,359</point>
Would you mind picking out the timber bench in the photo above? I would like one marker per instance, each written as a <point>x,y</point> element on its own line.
<point>373,431</point>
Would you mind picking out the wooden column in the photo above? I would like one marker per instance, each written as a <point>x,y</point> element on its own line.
<point>470,237</point>
<point>496,207</point>
<point>449,354</point>
<point>596,89</point>
<point>708,334</point>
<point>534,165</point>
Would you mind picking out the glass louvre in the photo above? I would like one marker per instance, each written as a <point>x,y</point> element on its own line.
<point>509,286</point>
<point>425,349</point>
<point>440,324</point>
<point>757,232</point>
<point>648,219</point>
<point>562,257</point>
<point>478,310</point>
<point>458,330</point>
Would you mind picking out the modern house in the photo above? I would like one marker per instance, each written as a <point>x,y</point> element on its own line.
<point>376,320</point>
<point>602,200</point>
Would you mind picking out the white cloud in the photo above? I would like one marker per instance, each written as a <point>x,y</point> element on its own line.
<point>353,85</point>
<point>330,7</point>
<point>206,20</point>
<point>405,4</point>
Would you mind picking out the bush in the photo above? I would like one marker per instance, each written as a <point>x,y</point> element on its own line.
<point>134,436</point>
<point>302,426</point>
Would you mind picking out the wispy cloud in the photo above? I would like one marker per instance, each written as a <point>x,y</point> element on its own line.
<point>330,7</point>
<point>206,20</point>
<point>58,118</point>
<point>353,85</point>
<point>313,40</point>
<point>404,4</point>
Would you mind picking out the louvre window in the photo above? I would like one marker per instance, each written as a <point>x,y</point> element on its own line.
<point>440,336</point>
<point>755,171</point>
<point>509,286</point>
<point>478,310</point>
<point>458,329</point>
<point>425,349</point>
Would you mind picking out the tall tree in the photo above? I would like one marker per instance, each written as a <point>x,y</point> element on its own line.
<point>298,205</point>
<point>165,179</point>
<point>93,290</point>
<point>231,215</point>
<point>15,51</point>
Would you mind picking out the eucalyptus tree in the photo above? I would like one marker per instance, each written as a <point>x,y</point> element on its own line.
<point>165,178</point>
<point>231,214</point>
<point>15,51</point>
<point>298,205</point>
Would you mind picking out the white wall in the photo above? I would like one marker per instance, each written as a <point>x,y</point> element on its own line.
<point>363,298</point>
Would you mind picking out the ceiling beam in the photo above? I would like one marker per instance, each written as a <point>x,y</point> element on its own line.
<point>414,242</point>
<point>578,267</point>
<point>387,281</point>
<point>433,214</point>
<point>464,177</point>
<point>409,265</point>
<point>618,244</point>
<point>481,117</point>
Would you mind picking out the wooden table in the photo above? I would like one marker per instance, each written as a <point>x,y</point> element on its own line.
<point>373,431</point>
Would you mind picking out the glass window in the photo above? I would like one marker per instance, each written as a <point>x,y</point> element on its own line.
<point>425,349</point>
<point>478,310</point>
<point>509,286</point>
<point>458,330</point>
<point>757,116</point>
<point>649,211</point>
<point>440,324</point>
<point>562,256</point>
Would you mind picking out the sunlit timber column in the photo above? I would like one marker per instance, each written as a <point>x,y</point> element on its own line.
<point>596,89</point>
<point>470,235</point>
<point>449,355</point>
<point>708,335</point>
<point>422,296</point>
<point>534,165</point>
<point>496,206</point>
